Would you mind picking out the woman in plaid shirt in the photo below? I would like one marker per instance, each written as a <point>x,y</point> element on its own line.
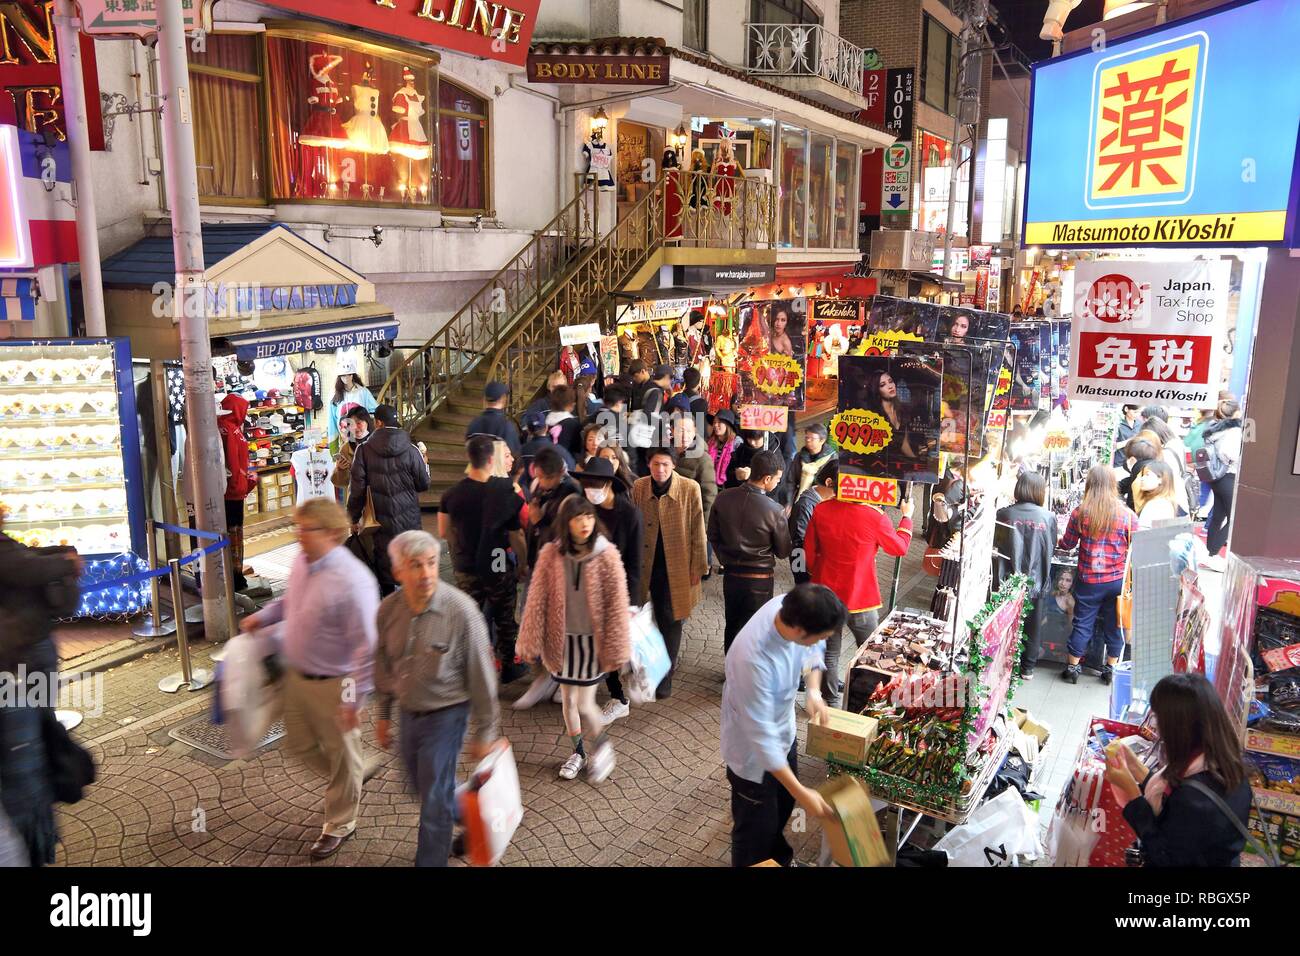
<point>1102,528</point>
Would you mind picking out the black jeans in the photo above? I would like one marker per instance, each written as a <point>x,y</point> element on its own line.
<point>759,813</point>
<point>742,597</point>
<point>382,566</point>
<point>496,594</point>
<point>1216,534</point>
<point>1029,656</point>
<point>661,602</point>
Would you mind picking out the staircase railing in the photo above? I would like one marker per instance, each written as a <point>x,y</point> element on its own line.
<point>436,370</point>
<point>684,208</point>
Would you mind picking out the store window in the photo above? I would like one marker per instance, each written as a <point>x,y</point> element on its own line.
<point>298,114</point>
<point>695,25</point>
<point>846,195</point>
<point>463,145</point>
<point>794,187</point>
<point>939,74</point>
<point>821,162</point>
<point>347,122</point>
<point>782,11</point>
<point>635,144</point>
<point>226,84</point>
<point>935,186</point>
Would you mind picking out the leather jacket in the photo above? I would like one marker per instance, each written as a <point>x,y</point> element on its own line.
<point>748,530</point>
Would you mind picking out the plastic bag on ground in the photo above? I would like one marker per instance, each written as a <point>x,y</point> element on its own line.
<point>997,833</point>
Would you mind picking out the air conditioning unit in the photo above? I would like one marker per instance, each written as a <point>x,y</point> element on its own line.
<point>904,250</point>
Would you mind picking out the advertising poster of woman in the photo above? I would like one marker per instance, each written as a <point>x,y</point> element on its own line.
<point>772,352</point>
<point>1026,385</point>
<point>965,385</point>
<point>887,425</point>
<point>891,321</point>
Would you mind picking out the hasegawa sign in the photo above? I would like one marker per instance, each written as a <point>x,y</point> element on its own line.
<point>1179,136</point>
<point>1149,333</point>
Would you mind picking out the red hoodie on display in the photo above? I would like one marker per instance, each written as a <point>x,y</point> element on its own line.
<point>238,482</point>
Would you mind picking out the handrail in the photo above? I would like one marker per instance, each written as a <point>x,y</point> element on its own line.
<point>488,315</point>
<point>683,207</point>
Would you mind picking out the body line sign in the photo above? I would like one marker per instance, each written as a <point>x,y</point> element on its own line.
<point>1141,144</point>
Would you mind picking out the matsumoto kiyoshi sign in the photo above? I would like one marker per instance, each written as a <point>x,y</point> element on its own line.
<point>1180,136</point>
<point>1149,333</point>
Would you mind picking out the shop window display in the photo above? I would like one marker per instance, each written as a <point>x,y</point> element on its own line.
<point>348,123</point>
<point>794,187</point>
<point>463,147</point>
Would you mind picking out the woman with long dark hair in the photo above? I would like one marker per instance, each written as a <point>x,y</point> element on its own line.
<point>882,397</point>
<point>1101,528</point>
<point>1193,810</point>
<point>780,339</point>
<point>576,621</point>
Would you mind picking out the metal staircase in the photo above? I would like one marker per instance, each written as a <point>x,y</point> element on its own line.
<point>509,330</point>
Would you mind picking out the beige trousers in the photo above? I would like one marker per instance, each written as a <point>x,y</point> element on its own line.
<point>312,735</point>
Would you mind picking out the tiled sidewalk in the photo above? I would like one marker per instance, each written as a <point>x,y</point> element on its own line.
<point>159,802</point>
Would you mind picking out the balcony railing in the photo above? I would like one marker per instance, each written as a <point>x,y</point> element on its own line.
<point>805,49</point>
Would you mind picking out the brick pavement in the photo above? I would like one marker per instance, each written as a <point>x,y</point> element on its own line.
<point>160,802</point>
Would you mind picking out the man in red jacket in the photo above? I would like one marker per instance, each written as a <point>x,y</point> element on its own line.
<point>230,423</point>
<point>840,546</point>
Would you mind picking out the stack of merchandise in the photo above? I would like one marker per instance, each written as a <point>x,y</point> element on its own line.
<point>906,642</point>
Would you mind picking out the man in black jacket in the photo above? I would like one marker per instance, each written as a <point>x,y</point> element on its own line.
<point>494,420</point>
<point>391,472</point>
<point>823,487</point>
<point>749,533</point>
<point>551,485</point>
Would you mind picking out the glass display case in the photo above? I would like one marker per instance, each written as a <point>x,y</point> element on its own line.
<point>69,449</point>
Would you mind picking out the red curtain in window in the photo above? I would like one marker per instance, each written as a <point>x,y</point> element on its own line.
<point>462,145</point>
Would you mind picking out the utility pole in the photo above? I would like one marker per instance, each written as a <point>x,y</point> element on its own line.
<point>74,113</point>
<point>204,456</point>
<point>974,16</point>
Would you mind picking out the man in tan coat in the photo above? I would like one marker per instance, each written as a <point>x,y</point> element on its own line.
<point>672,548</point>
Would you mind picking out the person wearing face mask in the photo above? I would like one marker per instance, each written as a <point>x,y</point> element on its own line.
<point>576,621</point>
<point>749,534</point>
<point>620,522</point>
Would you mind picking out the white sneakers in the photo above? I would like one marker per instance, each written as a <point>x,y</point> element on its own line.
<point>538,691</point>
<point>602,763</point>
<point>570,769</point>
<point>615,709</point>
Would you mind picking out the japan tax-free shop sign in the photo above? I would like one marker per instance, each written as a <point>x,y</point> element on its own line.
<point>1149,332</point>
<point>1184,135</point>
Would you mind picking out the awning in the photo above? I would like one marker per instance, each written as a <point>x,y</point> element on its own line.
<point>315,338</point>
<point>948,285</point>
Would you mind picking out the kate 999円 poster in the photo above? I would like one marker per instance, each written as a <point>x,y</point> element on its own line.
<point>888,422</point>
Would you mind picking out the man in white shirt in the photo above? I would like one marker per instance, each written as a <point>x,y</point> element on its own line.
<point>784,638</point>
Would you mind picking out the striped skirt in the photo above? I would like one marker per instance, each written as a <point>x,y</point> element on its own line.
<point>580,665</point>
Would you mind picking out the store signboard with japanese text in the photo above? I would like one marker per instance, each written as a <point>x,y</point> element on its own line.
<point>764,418</point>
<point>1180,136</point>
<point>138,17</point>
<point>887,423</point>
<point>1149,332</point>
<point>494,31</point>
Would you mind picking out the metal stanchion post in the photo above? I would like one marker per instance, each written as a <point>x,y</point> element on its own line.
<point>194,679</point>
<point>155,626</point>
<point>233,625</point>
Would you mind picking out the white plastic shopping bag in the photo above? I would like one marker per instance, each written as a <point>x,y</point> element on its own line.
<point>250,700</point>
<point>997,834</point>
<point>491,806</point>
<point>649,663</point>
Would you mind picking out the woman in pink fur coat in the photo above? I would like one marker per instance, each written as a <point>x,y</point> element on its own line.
<point>576,621</point>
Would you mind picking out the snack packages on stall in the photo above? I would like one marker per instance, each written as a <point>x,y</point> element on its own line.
<point>998,833</point>
<point>491,806</point>
<point>249,688</point>
<point>649,663</point>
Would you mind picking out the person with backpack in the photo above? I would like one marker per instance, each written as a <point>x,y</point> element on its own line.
<point>389,472</point>
<point>1217,463</point>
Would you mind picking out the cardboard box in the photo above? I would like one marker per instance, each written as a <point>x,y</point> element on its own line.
<point>844,738</point>
<point>1031,727</point>
<point>286,502</point>
<point>250,506</point>
<point>285,479</point>
<point>767,863</point>
<point>854,835</point>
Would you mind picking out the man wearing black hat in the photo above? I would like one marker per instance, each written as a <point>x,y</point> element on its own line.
<point>494,420</point>
<point>621,521</point>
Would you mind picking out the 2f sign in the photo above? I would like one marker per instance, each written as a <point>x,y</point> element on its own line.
<point>865,490</point>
